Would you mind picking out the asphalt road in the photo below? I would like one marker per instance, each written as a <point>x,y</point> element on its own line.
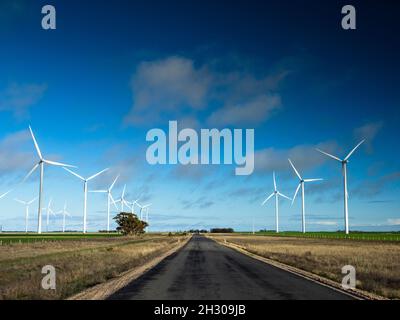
<point>206,270</point>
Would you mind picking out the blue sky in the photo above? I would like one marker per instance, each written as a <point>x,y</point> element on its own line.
<point>110,72</point>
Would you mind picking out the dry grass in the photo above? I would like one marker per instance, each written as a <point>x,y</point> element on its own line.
<point>79,264</point>
<point>377,263</point>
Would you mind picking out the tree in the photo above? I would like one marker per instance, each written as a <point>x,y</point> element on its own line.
<point>129,224</point>
<point>222,230</point>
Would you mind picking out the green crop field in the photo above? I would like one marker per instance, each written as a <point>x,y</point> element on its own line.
<point>33,237</point>
<point>372,236</point>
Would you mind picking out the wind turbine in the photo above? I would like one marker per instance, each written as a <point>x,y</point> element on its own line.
<point>141,210</point>
<point>122,200</point>
<point>26,204</point>
<point>146,212</point>
<point>49,211</point>
<point>301,185</point>
<point>277,194</point>
<point>85,191</point>
<point>109,200</point>
<point>344,172</point>
<point>132,204</point>
<point>146,208</point>
<point>64,213</point>
<point>42,161</point>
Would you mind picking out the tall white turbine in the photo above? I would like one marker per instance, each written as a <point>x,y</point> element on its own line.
<point>147,208</point>
<point>65,213</point>
<point>141,210</point>
<point>109,200</point>
<point>26,204</point>
<point>132,204</point>
<point>301,185</point>
<point>144,209</point>
<point>49,211</point>
<point>277,194</point>
<point>122,199</point>
<point>85,191</point>
<point>42,161</point>
<point>344,172</point>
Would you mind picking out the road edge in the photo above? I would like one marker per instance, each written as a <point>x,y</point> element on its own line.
<point>355,293</point>
<point>104,290</point>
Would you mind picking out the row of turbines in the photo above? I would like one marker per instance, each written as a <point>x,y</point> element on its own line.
<point>276,193</point>
<point>144,209</point>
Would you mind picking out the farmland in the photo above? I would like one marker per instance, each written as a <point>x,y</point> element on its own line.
<point>368,236</point>
<point>81,261</point>
<point>6,238</point>
<point>377,263</point>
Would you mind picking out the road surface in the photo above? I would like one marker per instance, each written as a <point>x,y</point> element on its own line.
<point>206,270</point>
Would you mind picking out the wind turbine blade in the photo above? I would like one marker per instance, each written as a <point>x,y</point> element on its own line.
<point>35,143</point>
<point>265,201</point>
<point>295,170</point>
<point>112,185</point>
<point>58,164</point>
<point>75,174</point>
<point>123,192</point>
<point>4,194</point>
<point>98,191</point>
<point>113,201</point>
<point>32,201</point>
<point>273,175</point>
<point>295,194</point>
<point>352,151</point>
<point>30,172</point>
<point>97,174</point>
<point>282,195</point>
<point>312,180</point>
<point>329,155</point>
<point>20,201</point>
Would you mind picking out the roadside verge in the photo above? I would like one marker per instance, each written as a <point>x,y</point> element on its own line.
<point>103,290</point>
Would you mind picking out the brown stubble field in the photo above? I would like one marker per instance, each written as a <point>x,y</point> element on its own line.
<point>377,263</point>
<point>79,264</point>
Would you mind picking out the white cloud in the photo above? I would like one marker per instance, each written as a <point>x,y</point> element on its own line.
<point>393,222</point>
<point>18,98</point>
<point>170,85</point>
<point>304,157</point>
<point>368,132</point>
<point>13,154</point>
<point>324,223</point>
<point>175,88</point>
<point>250,112</point>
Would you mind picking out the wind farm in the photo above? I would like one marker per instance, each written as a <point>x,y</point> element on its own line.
<point>193,151</point>
<point>51,214</point>
<point>143,209</point>
<point>58,227</point>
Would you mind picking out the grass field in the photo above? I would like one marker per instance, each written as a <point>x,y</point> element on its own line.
<point>80,263</point>
<point>6,238</point>
<point>377,263</point>
<point>371,236</point>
